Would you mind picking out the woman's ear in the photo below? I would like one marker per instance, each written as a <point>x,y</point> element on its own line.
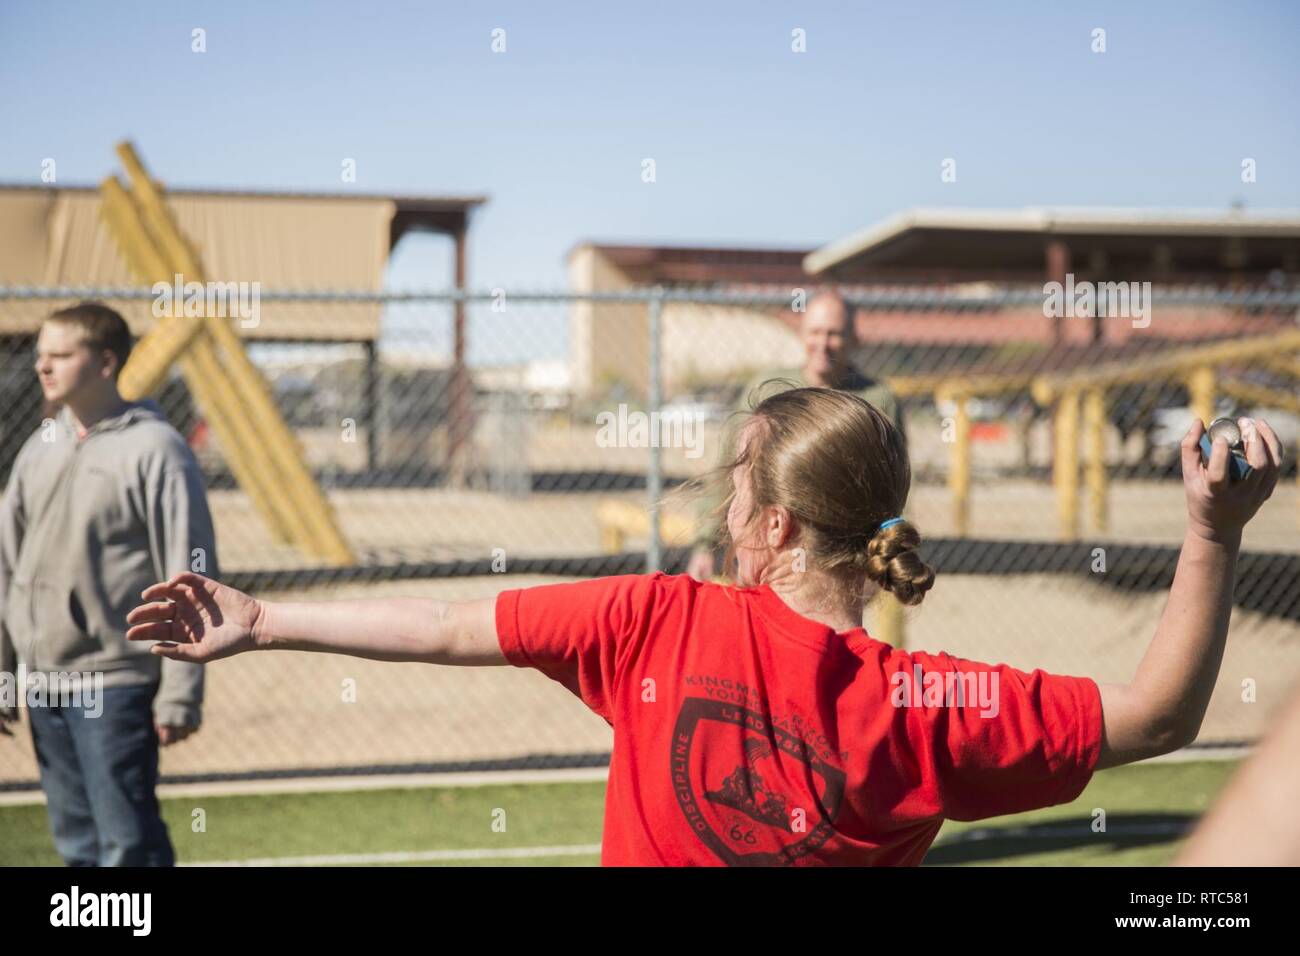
<point>778,527</point>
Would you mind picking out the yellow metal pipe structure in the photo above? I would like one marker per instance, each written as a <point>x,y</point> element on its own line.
<point>1094,416</point>
<point>887,620</point>
<point>203,375</point>
<point>146,369</point>
<point>959,468</point>
<point>1065,464</point>
<point>1046,388</point>
<point>1200,386</point>
<point>157,217</point>
<point>274,451</point>
<point>1260,395</point>
<point>276,441</point>
<point>910,386</point>
<point>1287,364</point>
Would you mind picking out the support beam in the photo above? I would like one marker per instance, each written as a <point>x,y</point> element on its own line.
<point>202,370</point>
<point>1200,385</point>
<point>1058,264</point>
<point>370,403</point>
<point>1065,465</point>
<point>960,465</point>
<point>458,431</point>
<point>248,421</point>
<point>1094,415</point>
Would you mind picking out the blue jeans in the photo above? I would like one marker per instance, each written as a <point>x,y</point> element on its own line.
<point>99,775</point>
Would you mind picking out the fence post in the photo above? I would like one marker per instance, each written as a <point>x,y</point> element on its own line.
<point>959,469</point>
<point>1094,413</point>
<point>1065,462</point>
<point>888,620</point>
<point>654,477</point>
<point>1201,387</point>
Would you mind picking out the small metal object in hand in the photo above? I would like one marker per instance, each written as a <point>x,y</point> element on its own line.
<point>1228,430</point>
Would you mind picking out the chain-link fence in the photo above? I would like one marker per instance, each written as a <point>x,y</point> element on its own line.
<point>466,443</point>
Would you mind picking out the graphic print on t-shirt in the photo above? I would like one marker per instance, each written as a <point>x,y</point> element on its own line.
<point>729,767</point>
<point>743,789</point>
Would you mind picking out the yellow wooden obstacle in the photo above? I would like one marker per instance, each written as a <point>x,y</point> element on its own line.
<point>959,390</point>
<point>264,455</point>
<point>1196,366</point>
<point>1078,403</point>
<point>620,520</point>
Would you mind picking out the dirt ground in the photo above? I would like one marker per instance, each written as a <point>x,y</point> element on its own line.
<point>391,525</point>
<point>294,710</point>
<point>386,525</point>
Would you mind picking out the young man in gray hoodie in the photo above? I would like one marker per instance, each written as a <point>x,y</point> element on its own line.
<point>102,501</point>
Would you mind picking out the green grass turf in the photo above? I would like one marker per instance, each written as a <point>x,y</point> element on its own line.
<point>1147,796</point>
<point>566,814</point>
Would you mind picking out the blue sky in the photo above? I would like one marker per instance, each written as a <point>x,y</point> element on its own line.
<point>753,144</point>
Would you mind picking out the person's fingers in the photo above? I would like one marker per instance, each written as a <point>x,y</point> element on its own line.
<point>191,603</point>
<point>198,597</point>
<point>178,652</point>
<point>152,631</point>
<point>192,580</point>
<point>1274,448</point>
<point>157,611</point>
<point>188,589</point>
<point>1253,443</point>
<point>1191,449</point>
<point>1271,442</point>
<point>1216,472</point>
<point>206,595</point>
<point>162,591</point>
<point>169,734</point>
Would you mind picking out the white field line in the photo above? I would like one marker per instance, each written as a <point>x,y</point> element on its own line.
<point>352,782</point>
<point>426,856</point>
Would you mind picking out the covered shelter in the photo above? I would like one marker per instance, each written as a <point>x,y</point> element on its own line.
<point>1216,249</point>
<point>56,236</point>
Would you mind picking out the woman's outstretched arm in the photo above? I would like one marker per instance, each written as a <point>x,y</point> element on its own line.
<point>198,619</point>
<point>1161,709</point>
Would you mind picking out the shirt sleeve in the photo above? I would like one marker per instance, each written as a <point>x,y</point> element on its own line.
<point>1001,740</point>
<point>578,634</point>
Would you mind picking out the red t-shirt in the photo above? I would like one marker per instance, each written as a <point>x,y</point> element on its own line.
<point>746,734</point>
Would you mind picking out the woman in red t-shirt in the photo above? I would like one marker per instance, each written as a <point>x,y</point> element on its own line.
<point>760,724</point>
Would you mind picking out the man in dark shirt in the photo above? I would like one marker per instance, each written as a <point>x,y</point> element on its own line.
<point>829,338</point>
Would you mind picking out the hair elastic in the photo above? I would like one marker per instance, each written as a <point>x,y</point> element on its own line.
<point>886,524</point>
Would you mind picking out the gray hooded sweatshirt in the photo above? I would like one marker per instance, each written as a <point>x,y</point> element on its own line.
<point>85,526</point>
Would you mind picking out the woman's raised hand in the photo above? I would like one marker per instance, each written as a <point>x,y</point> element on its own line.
<point>1218,507</point>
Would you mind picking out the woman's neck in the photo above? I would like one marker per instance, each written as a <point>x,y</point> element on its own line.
<point>819,599</point>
